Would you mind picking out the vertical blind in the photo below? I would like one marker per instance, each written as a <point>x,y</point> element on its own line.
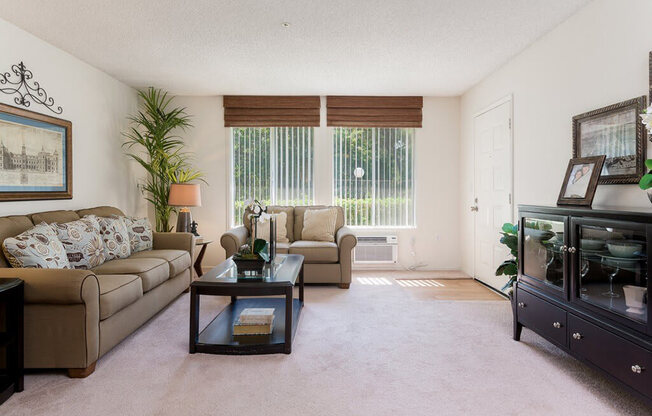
<point>374,175</point>
<point>273,165</point>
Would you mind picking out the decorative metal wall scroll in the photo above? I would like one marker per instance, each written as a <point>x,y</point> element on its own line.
<point>18,84</point>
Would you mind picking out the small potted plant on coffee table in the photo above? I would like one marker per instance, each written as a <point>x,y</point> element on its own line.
<point>253,256</point>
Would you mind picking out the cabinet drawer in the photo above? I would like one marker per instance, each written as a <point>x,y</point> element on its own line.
<point>542,316</point>
<point>612,353</point>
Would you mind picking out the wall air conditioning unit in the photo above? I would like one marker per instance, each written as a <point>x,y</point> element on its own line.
<point>381,249</point>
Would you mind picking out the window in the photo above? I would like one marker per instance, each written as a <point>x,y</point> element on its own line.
<point>374,175</point>
<point>271,164</point>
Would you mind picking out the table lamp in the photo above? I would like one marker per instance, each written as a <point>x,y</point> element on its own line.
<point>184,195</point>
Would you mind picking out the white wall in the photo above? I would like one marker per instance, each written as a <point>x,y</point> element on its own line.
<point>599,56</point>
<point>97,105</point>
<point>435,240</point>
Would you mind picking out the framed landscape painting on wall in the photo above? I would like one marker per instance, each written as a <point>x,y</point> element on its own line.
<point>617,132</point>
<point>35,156</point>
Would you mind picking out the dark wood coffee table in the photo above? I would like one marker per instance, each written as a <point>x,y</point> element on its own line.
<point>278,278</point>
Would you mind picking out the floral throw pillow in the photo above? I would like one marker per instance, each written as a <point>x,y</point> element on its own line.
<point>140,233</point>
<point>82,241</point>
<point>37,247</point>
<point>115,237</point>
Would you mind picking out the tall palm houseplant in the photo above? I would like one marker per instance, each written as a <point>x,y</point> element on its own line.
<point>152,141</point>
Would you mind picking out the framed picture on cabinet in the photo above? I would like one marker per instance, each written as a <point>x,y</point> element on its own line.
<point>581,181</point>
<point>35,156</point>
<point>617,132</point>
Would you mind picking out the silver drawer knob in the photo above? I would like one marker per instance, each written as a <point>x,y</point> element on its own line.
<point>563,249</point>
<point>521,305</point>
<point>577,335</point>
<point>572,250</point>
<point>556,324</point>
<point>637,369</point>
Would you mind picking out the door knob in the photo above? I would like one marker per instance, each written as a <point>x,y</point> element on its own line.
<point>556,324</point>
<point>572,250</point>
<point>563,249</point>
<point>577,335</point>
<point>521,305</point>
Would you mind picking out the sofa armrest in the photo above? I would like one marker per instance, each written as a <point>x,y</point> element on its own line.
<point>62,318</point>
<point>57,286</point>
<point>233,239</point>
<point>346,241</point>
<point>175,241</point>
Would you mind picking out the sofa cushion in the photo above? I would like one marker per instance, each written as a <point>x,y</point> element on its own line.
<point>114,236</point>
<point>315,251</point>
<point>298,218</point>
<point>152,272</point>
<point>178,260</point>
<point>140,233</point>
<point>54,216</point>
<point>82,242</point>
<point>11,226</point>
<point>37,247</point>
<point>104,211</point>
<point>117,291</point>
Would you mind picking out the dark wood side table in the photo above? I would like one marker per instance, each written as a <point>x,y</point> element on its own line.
<point>200,256</point>
<point>11,337</point>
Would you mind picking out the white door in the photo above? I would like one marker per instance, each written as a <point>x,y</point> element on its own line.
<point>493,189</point>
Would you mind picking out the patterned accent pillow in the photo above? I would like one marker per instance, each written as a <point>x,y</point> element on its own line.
<point>115,237</point>
<point>37,247</point>
<point>140,233</point>
<point>82,241</point>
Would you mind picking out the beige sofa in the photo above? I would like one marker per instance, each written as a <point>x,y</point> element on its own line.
<point>325,262</point>
<point>73,317</point>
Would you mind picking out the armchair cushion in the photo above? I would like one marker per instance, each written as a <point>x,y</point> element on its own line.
<point>315,251</point>
<point>319,224</point>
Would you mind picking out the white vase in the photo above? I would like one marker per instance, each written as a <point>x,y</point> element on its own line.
<point>634,296</point>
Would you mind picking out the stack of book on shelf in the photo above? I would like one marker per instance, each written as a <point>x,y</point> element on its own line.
<point>254,321</point>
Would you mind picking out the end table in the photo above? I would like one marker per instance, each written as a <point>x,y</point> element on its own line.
<point>200,256</point>
<point>11,336</point>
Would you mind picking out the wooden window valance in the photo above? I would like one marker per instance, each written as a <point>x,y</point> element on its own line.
<point>357,111</point>
<point>271,111</point>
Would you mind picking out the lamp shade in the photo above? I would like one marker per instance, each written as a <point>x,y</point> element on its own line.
<point>185,195</point>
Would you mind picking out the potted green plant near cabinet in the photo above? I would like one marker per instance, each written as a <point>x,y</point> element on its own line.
<point>152,141</point>
<point>509,267</point>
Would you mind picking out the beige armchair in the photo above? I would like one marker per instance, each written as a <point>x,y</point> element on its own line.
<point>325,262</point>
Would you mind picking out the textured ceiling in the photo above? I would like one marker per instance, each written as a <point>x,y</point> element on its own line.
<point>206,47</point>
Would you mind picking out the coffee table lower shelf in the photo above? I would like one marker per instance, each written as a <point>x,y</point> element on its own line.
<point>218,338</point>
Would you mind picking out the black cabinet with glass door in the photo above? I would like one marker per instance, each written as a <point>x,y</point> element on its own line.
<point>583,285</point>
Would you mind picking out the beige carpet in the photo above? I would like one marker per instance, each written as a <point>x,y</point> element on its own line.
<point>383,349</point>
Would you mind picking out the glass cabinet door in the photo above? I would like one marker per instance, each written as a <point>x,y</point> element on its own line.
<point>610,267</point>
<point>543,251</point>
